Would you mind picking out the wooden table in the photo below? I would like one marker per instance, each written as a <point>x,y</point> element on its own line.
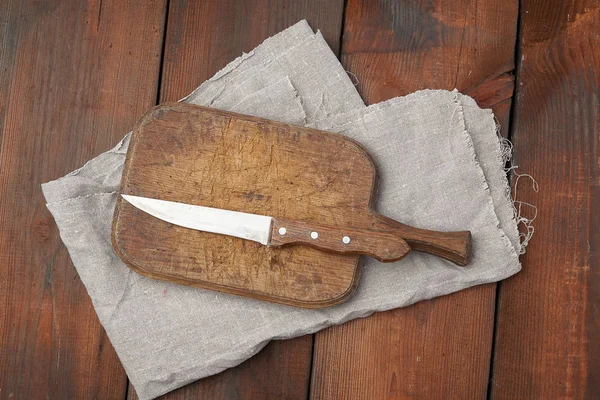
<point>76,75</point>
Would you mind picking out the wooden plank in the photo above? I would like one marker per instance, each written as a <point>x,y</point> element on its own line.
<point>396,48</point>
<point>202,37</point>
<point>75,77</point>
<point>547,331</point>
<point>439,348</point>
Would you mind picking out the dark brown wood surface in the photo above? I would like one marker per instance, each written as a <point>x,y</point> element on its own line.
<point>74,78</point>
<point>439,348</point>
<point>76,75</point>
<point>548,331</point>
<point>203,37</point>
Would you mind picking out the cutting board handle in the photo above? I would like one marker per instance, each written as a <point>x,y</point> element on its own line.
<point>452,246</point>
<point>387,245</point>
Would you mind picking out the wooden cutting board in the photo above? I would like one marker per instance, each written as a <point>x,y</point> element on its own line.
<point>196,155</point>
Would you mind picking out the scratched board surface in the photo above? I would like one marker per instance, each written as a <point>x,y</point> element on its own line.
<point>76,75</point>
<point>240,163</point>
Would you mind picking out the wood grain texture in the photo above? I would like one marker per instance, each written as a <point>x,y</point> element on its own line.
<point>439,348</point>
<point>397,47</point>
<point>75,76</point>
<point>548,327</point>
<point>202,37</point>
<point>494,91</point>
<point>401,354</point>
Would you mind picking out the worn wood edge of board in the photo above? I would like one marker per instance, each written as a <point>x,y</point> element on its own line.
<point>137,267</point>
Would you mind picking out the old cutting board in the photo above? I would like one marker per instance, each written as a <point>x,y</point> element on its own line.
<point>202,156</point>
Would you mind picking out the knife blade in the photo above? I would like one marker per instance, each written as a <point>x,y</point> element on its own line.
<point>225,222</point>
<point>385,246</point>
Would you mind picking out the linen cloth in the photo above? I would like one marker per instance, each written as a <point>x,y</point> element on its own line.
<point>440,167</point>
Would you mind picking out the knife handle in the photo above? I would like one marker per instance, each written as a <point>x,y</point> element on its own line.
<point>383,245</point>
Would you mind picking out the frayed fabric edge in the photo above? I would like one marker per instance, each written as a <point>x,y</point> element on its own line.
<point>518,206</point>
<point>469,142</point>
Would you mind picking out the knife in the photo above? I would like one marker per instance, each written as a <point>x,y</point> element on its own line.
<point>383,245</point>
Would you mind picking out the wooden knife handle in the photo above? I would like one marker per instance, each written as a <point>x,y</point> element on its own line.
<point>384,245</point>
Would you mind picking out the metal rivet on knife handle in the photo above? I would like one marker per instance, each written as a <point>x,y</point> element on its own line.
<point>346,239</point>
<point>282,231</point>
<point>314,235</point>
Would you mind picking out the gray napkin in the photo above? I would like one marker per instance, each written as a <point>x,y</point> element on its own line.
<point>440,168</point>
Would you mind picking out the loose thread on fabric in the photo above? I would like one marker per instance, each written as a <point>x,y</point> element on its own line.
<point>519,207</point>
